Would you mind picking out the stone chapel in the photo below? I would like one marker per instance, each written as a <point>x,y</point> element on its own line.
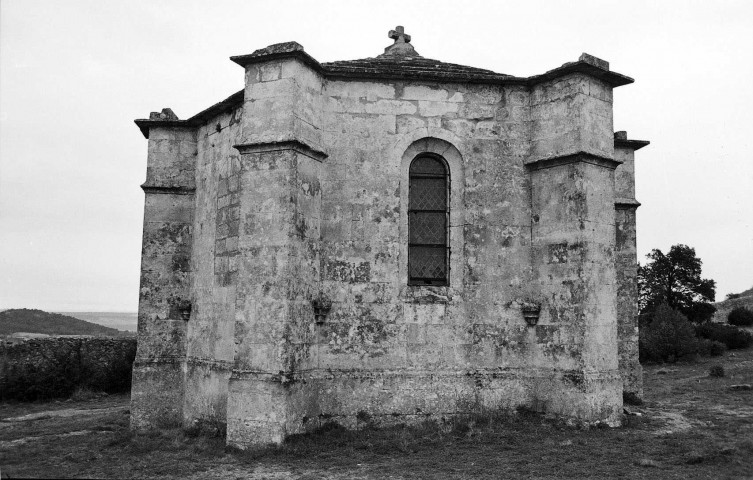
<point>387,240</point>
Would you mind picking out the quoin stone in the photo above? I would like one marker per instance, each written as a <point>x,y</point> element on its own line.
<point>387,240</point>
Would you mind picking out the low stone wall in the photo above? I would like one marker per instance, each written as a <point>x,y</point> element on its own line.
<point>41,368</point>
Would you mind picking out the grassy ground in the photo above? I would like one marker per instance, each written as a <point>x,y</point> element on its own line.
<point>692,426</point>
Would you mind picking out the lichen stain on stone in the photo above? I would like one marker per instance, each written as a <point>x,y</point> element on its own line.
<point>175,233</point>
<point>576,378</point>
<point>476,234</point>
<point>236,117</point>
<point>350,272</point>
<point>180,262</point>
<point>368,336</point>
<point>577,293</point>
<point>509,341</point>
<point>623,235</point>
<point>565,252</point>
<point>385,213</point>
<point>300,226</point>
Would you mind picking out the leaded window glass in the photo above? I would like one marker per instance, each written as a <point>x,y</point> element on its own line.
<point>428,221</point>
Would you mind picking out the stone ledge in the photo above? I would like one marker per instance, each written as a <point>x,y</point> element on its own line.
<point>295,145</point>
<point>168,190</point>
<point>209,362</point>
<point>160,360</point>
<point>579,157</point>
<point>278,51</point>
<point>612,78</point>
<point>626,203</point>
<point>359,374</point>
<point>633,144</point>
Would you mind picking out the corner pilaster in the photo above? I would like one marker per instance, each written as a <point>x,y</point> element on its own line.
<point>572,168</point>
<point>164,294</point>
<point>278,277</point>
<point>626,263</point>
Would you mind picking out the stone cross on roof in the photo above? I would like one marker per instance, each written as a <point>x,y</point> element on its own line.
<point>399,35</point>
<point>402,46</point>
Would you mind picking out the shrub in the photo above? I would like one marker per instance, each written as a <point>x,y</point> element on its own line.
<point>711,348</point>
<point>668,337</point>
<point>741,317</point>
<point>716,371</point>
<point>732,337</point>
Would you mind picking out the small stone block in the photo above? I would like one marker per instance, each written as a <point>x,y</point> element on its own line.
<point>277,48</point>
<point>596,62</point>
<point>621,135</point>
<point>165,114</point>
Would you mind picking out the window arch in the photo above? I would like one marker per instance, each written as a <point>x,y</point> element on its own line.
<point>428,221</point>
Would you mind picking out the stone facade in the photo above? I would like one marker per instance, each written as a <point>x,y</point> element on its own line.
<point>281,216</point>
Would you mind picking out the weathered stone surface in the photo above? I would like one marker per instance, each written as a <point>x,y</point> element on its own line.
<point>313,204</point>
<point>626,261</point>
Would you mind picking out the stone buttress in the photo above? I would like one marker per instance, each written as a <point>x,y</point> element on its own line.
<point>626,259</point>
<point>164,293</point>
<point>278,243</point>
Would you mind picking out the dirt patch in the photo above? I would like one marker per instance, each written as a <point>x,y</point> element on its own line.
<point>21,441</point>
<point>66,412</point>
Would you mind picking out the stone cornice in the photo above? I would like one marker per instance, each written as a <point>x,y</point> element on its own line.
<point>295,50</point>
<point>145,124</point>
<point>295,145</point>
<point>209,362</point>
<point>626,203</point>
<point>233,101</point>
<point>278,51</point>
<point>160,360</point>
<point>481,372</point>
<point>168,190</point>
<point>579,157</point>
<point>612,78</point>
<point>634,144</point>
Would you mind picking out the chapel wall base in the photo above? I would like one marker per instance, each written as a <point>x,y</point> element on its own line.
<point>157,394</point>
<point>256,412</point>
<point>205,400</point>
<point>264,411</point>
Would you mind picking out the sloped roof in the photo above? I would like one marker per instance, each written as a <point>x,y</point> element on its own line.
<point>409,67</point>
<point>400,61</point>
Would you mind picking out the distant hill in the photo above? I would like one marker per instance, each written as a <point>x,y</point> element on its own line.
<point>38,321</point>
<point>120,320</point>
<point>743,299</point>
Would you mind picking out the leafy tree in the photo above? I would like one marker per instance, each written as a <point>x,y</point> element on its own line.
<point>675,279</point>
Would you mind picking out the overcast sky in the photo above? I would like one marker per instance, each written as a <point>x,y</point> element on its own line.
<point>74,75</point>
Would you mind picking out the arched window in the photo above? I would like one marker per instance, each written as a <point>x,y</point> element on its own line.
<point>428,221</point>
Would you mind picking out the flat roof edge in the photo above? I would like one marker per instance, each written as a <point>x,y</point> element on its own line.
<point>197,120</point>
<point>634,144</point>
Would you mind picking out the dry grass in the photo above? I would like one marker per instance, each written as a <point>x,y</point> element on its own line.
<point>692,426</point>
